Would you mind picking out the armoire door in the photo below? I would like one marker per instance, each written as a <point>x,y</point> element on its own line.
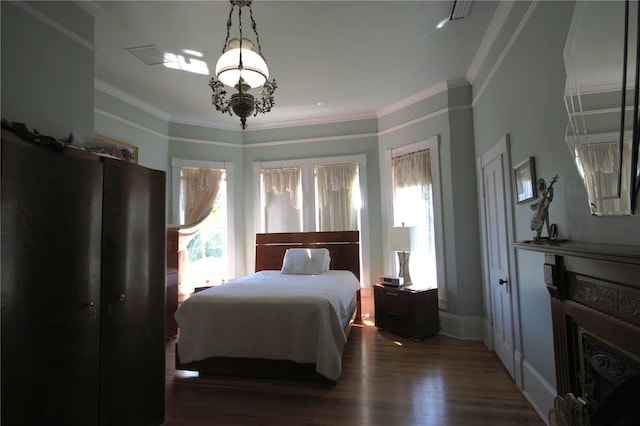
<point>51,243</point>
<point>133,295</point>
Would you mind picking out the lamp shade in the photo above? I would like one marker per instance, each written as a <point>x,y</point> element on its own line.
<point>255,71</point>
<point>399,238</point>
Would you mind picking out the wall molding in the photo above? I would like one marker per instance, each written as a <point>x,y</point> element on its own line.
<point>505,51</point>
<point>93,8</point>
<point>24,6</point>
<point>205,142</point>
<point>422,118</point>
<point>537,390</point>
<point>311,140</point>
<point>129,122</point>
<point>314,121</point>
<point>124,97</point>
<point>498,20</point>
<point>287,141</point>
<point>462,327</point>
<point>131,100</point>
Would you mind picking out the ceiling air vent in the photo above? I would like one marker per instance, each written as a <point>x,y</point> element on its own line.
<point>460,9</point>
<point>149,54</point>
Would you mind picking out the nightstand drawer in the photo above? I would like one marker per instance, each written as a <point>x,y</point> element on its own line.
<point>406,312</point>
<point>391,301</point>
<point>392,310</point>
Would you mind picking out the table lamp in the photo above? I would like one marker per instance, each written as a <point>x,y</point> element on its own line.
<point>400,241</point>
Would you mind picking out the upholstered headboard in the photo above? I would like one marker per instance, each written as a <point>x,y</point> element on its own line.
<point>343,246</point>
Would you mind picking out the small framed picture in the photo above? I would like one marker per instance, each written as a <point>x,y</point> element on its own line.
<point>117,149</point>
<point>525,174</point>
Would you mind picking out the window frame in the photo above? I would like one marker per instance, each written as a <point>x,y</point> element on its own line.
<point>433,145</point>
<point>176,165</point>
<point>308,184</point>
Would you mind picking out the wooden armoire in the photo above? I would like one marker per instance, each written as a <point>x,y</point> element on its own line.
<point>83,288</point>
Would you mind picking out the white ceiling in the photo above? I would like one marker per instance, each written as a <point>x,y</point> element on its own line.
<point>353,57</point>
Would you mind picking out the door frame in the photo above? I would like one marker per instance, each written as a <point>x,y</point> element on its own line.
<point>503,150</point>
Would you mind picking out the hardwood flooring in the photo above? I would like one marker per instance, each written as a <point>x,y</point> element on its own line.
<point>386,381</point>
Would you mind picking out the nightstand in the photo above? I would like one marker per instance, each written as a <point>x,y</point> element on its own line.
<point>407,311</point>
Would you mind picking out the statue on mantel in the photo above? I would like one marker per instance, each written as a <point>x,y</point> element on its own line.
<point>541,207</point>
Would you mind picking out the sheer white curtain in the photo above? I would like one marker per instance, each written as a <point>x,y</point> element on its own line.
<point>599,163</point>
<point>199,191</point>
<point>281,182</point>
<point>412,169</point>
<point>413,206</point>
<point>282,198</point>
<point>337,197</point>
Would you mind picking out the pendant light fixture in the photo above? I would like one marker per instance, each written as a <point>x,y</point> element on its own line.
<point>242,69</point>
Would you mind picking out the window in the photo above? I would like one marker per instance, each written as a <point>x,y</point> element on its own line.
<point>281,197</point>
<point>200,197</point>
<point>310,197</point>
<point>318,194</point>
<point>337,192</point>
<point>206,252</point>
<point>413,207</point>
<point>414,191</point>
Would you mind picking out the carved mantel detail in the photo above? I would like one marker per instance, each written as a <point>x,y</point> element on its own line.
<point>594,288</point>
<point>592,292</point>
<point>620,301</point>
<point>630,304</point>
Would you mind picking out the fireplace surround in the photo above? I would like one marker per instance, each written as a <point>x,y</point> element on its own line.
<point>595,306</point>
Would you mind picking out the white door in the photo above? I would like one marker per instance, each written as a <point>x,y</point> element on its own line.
<point>497,248</point>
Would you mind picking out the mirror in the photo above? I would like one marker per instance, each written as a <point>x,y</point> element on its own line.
<point>600,96</point>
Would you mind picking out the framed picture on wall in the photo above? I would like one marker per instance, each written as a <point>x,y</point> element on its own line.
<point>525,174</point>
<point>115,148</point>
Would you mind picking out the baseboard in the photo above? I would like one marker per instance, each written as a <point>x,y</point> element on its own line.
<point>538,391</point>
<point>488,334</point>
<point>462,327</point>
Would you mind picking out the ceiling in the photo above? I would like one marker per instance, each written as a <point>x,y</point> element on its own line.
<point>332,60</point>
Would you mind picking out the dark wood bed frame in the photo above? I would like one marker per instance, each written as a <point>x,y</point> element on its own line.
<point>344,248</point>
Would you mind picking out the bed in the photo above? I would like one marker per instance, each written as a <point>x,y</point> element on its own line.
<point>288,321</point>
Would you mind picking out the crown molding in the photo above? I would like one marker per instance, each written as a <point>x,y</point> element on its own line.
<point>311,140</point>
<point>129,122</point>
<point>25,7</point>
<point>206,142</point>
<point>421,118</point>
<point>93,8</point>
<point>314,121</point>
<point>205,124</point>
<point>498,20</point>
<point>131,100</point>
<point>598,88</point>
<point>424,94</point>
<point>505,50</point>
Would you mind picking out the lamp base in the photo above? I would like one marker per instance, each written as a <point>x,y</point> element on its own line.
<point>403,260</point>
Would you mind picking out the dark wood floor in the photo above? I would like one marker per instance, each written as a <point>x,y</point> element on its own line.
<point>385,380</point>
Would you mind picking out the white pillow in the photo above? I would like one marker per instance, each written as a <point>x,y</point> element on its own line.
<point>327,260</point>
<point>303,261</point>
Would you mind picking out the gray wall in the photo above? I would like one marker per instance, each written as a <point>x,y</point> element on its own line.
<point>47,78</point>
<point>447,115</point>
<point>519,92</point>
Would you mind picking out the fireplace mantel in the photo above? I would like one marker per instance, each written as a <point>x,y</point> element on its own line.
<point>595,289</point>
<point>612,252</point>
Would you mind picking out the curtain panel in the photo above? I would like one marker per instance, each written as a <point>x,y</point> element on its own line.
<point>412,169</point>
<point>201,188</point>
<point>600,166</point>
<point>413,204</point>
<point>280,181</point>
<point>335,193</point>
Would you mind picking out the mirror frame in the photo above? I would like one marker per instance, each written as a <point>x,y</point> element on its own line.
<point>621,189</point>
<point>634,185</point>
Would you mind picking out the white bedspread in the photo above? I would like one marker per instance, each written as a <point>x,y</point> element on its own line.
<point>270,315</point>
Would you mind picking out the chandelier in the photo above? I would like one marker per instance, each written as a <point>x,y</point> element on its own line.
<point>243,69</point>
